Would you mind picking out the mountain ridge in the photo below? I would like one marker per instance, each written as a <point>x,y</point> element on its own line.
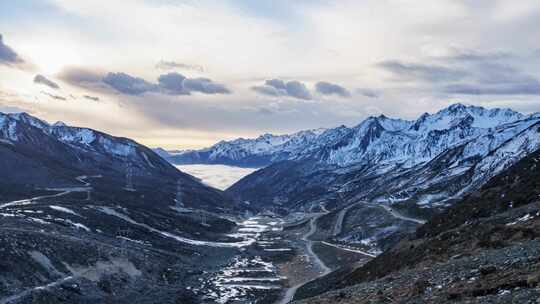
<point>267,149</point>
<point>423,173</point>
<point>483,249</point>
<point>30,145</point>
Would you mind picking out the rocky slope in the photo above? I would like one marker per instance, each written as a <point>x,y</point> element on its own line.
<point>35,155</point>
<point>426,163</point>
<point>483,249</point>
<point>86,217</point>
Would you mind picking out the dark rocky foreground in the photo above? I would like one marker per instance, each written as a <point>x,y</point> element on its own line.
<point>81,254</point>
<point>484,249</point>
<point>74,250</point>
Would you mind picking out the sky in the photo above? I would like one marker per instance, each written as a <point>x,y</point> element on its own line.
<point>187,74</point>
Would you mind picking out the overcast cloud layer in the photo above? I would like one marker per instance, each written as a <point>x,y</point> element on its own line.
<point>185,74</point>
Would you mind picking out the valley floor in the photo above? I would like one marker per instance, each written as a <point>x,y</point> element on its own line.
<point>265,259</point>
<point>276,258</point>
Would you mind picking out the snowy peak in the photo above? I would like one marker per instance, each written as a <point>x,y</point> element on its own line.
<point>393,124</point>
<point>438,158</point>
<point>13,127</point>
<point>476,117</point>
<point>59,124</point>
<point>376,139</point>
<point>29,119</point>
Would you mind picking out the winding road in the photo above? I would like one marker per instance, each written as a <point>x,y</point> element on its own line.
<point>349,249</point>
<point>61,192</point>
<point>338,227</point>
<point>400,216</point>
<point>289,295</point>
<point>312,229</point>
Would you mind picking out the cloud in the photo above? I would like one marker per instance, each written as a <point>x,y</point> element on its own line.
<point>178,84</point>
<point>327,88</point>
<point>128,84</point>
<point>57,97</point>
<point>297,89</point>
<point>415,71</point>
<point>528,88</point>
<point>267,90</point>
<point>368,93</point>
<point>82,77</point>
<point>496,73</point>
<point>171,65</point>
<point>487,73</point>
<point>277,84</point>
<point>7,55</point>
<point>93,98</point>
<point>170,84</point>
<point>173,83</point>
<point>492,77</point>
<point>204,85</point>
<point>40,79</point>
<point>476,56</point>
<point>278,87</point>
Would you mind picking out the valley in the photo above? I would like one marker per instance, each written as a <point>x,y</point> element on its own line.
<point>91,217</point>
<point>269,152</point>
<point>252,272</point>
<point>217,176</point>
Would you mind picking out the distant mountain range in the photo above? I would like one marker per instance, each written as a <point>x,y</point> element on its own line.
<point>426,162</point>
<point>403,140</point>
<point>258,152</point>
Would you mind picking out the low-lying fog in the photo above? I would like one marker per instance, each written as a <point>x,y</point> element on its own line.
<point>217,176</point>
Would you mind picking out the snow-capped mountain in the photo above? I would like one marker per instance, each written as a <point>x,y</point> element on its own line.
<point>376,139</point>
<point>35,155</point>
<point>386,140</point>
<point>257,152</point>
<point>426,162</point>
<point>75,201</point>
<point>81,138</point>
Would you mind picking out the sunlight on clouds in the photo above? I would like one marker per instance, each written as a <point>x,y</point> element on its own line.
<point>49,53</point>
<point>51,59</point>
<point>219,35</point>
<point>337,42</point>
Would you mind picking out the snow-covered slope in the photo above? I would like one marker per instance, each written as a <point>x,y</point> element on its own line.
<point>81,138</point>
<point>35,155</point>
<point>257,152</point>
<point>376,139</point>
<point>380,139</point>
<point>427,162</point>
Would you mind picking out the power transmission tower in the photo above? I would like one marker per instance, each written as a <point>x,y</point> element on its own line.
<point>179,195</point>
<point>123,235</point>
<point>129,177</point>
<point>203,219</point>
